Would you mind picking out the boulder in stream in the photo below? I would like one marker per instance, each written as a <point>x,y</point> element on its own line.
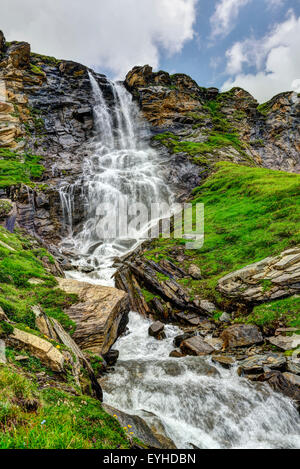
<point>196,346</point>
<point>157,330</point>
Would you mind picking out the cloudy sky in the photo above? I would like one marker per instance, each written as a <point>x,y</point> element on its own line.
<point>250,43</point>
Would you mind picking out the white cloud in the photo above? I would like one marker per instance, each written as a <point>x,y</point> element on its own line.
<point>275,3</point>
<point>114,34</point>
<point>275,58</point>
<point>223,19</point>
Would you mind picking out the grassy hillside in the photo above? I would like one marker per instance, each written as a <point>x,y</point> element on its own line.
<point>52,419</point>
<point>25,281</point>
<point>250,214</point>
<point>31,417</point>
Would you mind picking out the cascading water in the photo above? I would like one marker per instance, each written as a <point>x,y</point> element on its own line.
<point>122,171</point>
<point>198,403</point>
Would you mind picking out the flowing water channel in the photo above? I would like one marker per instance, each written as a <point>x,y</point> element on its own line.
<point>198,403</point>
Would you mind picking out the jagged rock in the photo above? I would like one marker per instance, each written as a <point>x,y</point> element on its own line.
<point>140,429</point>
<point>157,330</point>
<point>196,346</point>
<point>40,348</point>
<point>214,342</point>
<point>189,318</point>
<point>180,338</point>
<point>282,274</point>
<point>286,343</point>
<point>176,353</point>
<point>258,363</point>
<point>293,366</point>
<point>224,360</point>
<point>137,271</point>
<point>294,379</point>
<point>101,314</point>
<point>241,335</point>
<point>207,306</point>
<point>19,54</point>
<point>2,41</point>
<point>51,328</point>
<point>195,272</point>
<point>280,383</point>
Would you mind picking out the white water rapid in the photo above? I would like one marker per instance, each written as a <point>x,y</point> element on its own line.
<point>197,402</point>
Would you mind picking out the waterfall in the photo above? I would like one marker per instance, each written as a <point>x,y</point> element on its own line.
<point>198,403</point>
<point>122,170</point>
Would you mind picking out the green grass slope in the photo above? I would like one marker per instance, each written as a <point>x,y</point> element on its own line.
<point>52,419</point>
<point>250,214</point>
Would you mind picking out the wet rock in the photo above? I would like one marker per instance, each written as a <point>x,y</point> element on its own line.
<point>139,428</point>
<point>259,363</point>
<point>157,330</point>
<point>180,338</point>
<point>196,346</point>
<point>294,379</point>
<point>286,343</point>
<point>101,314</point>
<point>241,335</point>
<point>224,360</point>
<point>280,383</point>
<point>177,353</point>
<point>293,366</point>
<point>111,357</point>
<point>195,272</point>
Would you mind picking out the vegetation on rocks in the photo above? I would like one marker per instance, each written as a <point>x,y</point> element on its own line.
<point>17,168</point>
<point>20,261</point>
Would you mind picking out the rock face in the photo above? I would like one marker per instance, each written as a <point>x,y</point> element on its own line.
<point>177,104</point>
<point>196,346</point>
<point>270,279</point>
<point>46,109</point>
<point>101,314</point>
<point>241,335</point>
